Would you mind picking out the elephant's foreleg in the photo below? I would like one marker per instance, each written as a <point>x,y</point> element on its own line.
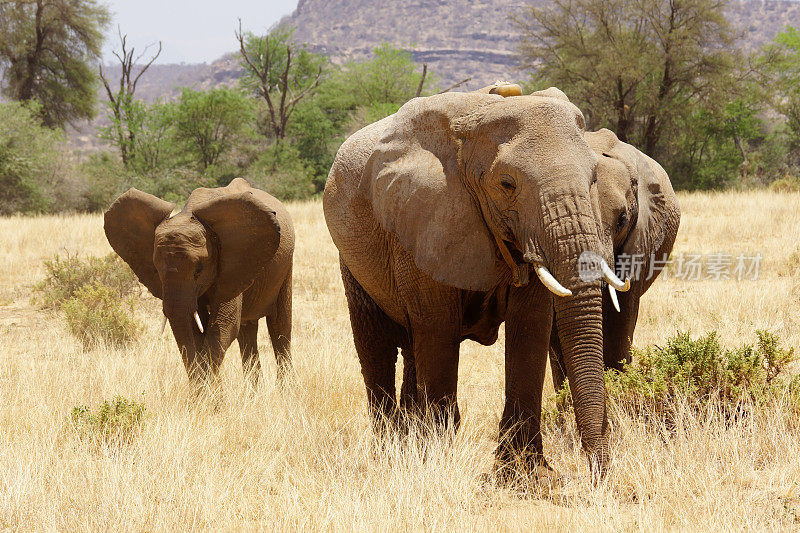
<point>223,328</point>
<point>248,345</point>
<point>279,325</point>
<point>528,326</point>
<point>436,358</point>
<point>375,337</point>
<point>618,327</point>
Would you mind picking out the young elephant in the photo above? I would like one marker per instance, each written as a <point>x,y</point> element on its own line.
<point>460,212</point>
<point>639,212</point>
<point>219,265</point>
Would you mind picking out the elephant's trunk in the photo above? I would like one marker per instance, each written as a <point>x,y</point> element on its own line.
<point>180,305</point>
<point>579,323</point>
<point>578,319</point>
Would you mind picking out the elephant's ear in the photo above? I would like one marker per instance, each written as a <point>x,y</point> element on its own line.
<point>130,225</point>
<point>248,233</point>
<point>653,234</point>
<point>414,183</point>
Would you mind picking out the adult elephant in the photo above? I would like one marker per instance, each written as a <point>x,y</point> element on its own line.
<point>225,260</point>
<point>639,213</point>
<point>440,213</point>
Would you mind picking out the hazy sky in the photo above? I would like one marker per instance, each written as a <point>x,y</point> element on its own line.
<point>191,31</point>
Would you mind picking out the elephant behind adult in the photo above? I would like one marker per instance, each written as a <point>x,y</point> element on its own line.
<point>220,264</point>
<point>639,213</point>
<point>441,214</point>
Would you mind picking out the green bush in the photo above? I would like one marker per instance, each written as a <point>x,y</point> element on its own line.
<point>92,293</point>
<point>30,159</point>
<point>115,422</point>
<point>787,183</point>
<point>104,178</point>
<point>64,277</point>
<point>96,316</point>
<point>280,171</point>
<point>697,373</point>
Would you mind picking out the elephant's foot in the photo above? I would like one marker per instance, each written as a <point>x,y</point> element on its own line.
<point>528,472</point>
<point>440,417</point>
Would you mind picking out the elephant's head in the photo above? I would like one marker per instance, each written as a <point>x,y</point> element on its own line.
<point>196,259</point>
<point>639,216</point>
<point>481,189</point>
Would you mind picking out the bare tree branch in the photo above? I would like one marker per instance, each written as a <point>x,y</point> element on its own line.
<point>455,85</point>
<point>422,79</point>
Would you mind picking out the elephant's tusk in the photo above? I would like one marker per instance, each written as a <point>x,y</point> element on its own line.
<point>612,279</point>
<point>163,326</point>
<point>199,324</point>
<point>551,283</point>
<point>614,300</point>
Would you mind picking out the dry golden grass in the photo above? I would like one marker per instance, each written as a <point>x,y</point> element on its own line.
<point>304,457</point>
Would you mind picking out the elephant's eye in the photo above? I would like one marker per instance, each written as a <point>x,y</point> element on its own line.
<point>622,219</point>
<point>507,182</point>
<point>198,269</point>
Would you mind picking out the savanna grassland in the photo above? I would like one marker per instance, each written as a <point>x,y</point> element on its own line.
<point>304,457</point>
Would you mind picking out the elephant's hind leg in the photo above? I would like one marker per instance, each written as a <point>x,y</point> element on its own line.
<point>375,336</point>
<point>279,325</point>
<point>248,345</point>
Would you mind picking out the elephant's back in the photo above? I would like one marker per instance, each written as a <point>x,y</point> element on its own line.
<point>342,202</point>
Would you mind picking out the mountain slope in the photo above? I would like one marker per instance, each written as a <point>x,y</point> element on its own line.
<point>467,38</point>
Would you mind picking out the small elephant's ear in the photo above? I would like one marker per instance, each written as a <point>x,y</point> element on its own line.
<point>414,183</point>
<point>249,234</point>
<point>130,225</point>
<point>656,227</point>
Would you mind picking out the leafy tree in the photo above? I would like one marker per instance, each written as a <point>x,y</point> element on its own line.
<point>144,133</point>
<point>125,113</point>
<point>635,67</point>
<point>279,71</point>
<point>782,58</point>
<point>390,77</point>
<point>209,123</point>
<point>29,155</point>
<point>47,48</point>
<point>353,95</point>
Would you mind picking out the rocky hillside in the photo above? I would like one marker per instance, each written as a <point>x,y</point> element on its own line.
<point>459,39</point>
<point>467,38</point>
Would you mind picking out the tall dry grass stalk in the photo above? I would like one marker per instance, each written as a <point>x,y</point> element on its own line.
<point>304,457</point>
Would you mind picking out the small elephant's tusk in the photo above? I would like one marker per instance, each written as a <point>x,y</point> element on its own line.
<point>614,300</point>
<point>199,324</point>
<point>612,279</point>
<point>163,326</point>
<point>551,283</point>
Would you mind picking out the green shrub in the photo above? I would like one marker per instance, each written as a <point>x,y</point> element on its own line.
<point>115,422</point>
<point>696,373</point>
<point>281,172</point>
<point>92,294</point>
<point>64,277</point>
<point>104,178</point>
<point>787,183</point>
<point>95,316</point>
<point>30,159</point>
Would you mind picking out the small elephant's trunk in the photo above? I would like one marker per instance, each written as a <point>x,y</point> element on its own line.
<point>180,307</point>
